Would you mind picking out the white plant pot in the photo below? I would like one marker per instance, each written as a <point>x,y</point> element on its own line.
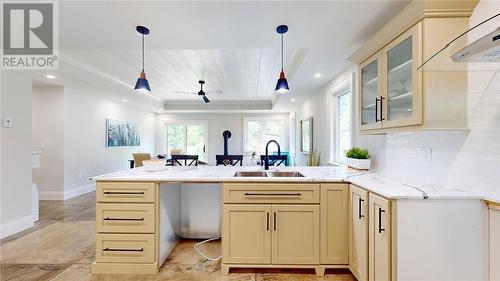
<point>360,164</point>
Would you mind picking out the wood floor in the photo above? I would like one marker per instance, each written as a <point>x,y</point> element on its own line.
<point>61,247</point>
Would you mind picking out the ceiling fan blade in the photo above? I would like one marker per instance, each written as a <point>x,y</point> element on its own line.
<point>178,92</point>
<point>206,99</point>
<point>214,92</point>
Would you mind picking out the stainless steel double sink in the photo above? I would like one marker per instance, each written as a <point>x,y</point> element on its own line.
<point>270,174</point>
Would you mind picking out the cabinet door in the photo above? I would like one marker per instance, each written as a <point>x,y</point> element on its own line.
<point>370,92</point>
<point>494,242</point>
<point>246,232</point>
<point>379,232</point>
<point>295,238</point>
<point>334,224</point>
<point>358,240</point>
<point>402,98</point>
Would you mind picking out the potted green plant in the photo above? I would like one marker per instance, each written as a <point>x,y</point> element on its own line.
<point>358,158</point>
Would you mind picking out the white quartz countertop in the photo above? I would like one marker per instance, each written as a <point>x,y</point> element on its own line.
<point>372,181</point>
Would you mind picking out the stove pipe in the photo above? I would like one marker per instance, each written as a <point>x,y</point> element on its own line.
<point>226,134</point>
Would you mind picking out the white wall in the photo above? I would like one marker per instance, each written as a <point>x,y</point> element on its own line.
<point>218,123</point>
<point>15,190</point>
<point>48,136</point>
<point>85,151</point>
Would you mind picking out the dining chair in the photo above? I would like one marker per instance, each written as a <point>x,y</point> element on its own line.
<point>229,160</point>
<point>139,157</point>
<point>193,160</point>
<point>275,160</point>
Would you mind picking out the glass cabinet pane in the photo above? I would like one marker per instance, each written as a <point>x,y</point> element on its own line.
<point>369,87</point>
<point>399,81</point>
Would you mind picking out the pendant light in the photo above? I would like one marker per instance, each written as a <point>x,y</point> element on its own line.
<point>282,85</point>
<point>142,85</point>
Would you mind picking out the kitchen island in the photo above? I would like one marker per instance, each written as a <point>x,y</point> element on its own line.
<point>330,217</point>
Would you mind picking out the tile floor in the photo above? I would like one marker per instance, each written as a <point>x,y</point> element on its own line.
<point>61,247</point>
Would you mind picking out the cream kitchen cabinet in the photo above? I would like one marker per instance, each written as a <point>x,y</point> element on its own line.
<point>358,229</point>
<point>247,234</point>
<point>295,235</point>
<point>274,225</point>
<point>395,92</point>
<point>334,224</point>
<point>379,238</point>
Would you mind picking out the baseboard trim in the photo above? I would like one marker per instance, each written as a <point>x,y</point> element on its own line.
<point>79,191</point>
<point>66,194</point>
<point>15,226</point>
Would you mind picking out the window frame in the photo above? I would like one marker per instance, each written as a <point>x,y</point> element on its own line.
<point>184,123</point>
<point>345,86</point>
<point>265,120</point>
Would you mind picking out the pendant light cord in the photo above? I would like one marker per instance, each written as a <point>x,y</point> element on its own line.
<point>142,52</point>
<point>282,59</point>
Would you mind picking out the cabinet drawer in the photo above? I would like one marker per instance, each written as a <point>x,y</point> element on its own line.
<point>132,192</point>
<point>275,193</point>
<point>125,218</point>
<point>126,248</point>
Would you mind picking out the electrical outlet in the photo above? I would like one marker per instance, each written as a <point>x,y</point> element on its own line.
<point>7,122</point>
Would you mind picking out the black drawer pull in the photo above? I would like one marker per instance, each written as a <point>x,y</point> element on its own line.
<point>360,215</point>
<point>380,211</point>
<point>124,193</point>
<point>273,194</point>
<point>123,250</point>
<point>267,214</point>
<point>274,221</point>
<point>122,219</point>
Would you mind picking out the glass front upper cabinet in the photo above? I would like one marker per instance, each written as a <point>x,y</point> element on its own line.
<point>400,81</point>
<point>370,93</point>
<point>402,97</point>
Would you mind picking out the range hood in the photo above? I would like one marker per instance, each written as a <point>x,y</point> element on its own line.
<point>486,49</point>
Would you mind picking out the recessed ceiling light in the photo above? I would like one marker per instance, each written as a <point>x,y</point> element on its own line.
<point>292,100</point>
<point>50,76</point>
<point>317,75</point>
<point>124,100</point>
<point>159,111</point>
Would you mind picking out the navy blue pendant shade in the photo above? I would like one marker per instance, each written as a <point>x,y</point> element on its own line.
<point>282,85</point>
<point>142,84</point>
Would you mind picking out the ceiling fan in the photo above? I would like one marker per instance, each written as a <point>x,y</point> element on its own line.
<point>201,93</point>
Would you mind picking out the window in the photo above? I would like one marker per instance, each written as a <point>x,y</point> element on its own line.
<point>343,125</point>
<point>257,132</point>
<point>189,137</point>
<point>341,120</point>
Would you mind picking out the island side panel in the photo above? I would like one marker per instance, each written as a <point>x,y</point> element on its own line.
<point>169,219</point>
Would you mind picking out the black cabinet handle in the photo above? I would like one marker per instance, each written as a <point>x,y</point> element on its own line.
<point>376,110</point>
<point>124,193</point>
<point>380,211</point>
<point>360,214</point>
<point>122,219</point>
<point>123,250</point>
<point>381,110</point>
<point>267,214</point>
<point>273,194</point>
<point>274,221</point>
